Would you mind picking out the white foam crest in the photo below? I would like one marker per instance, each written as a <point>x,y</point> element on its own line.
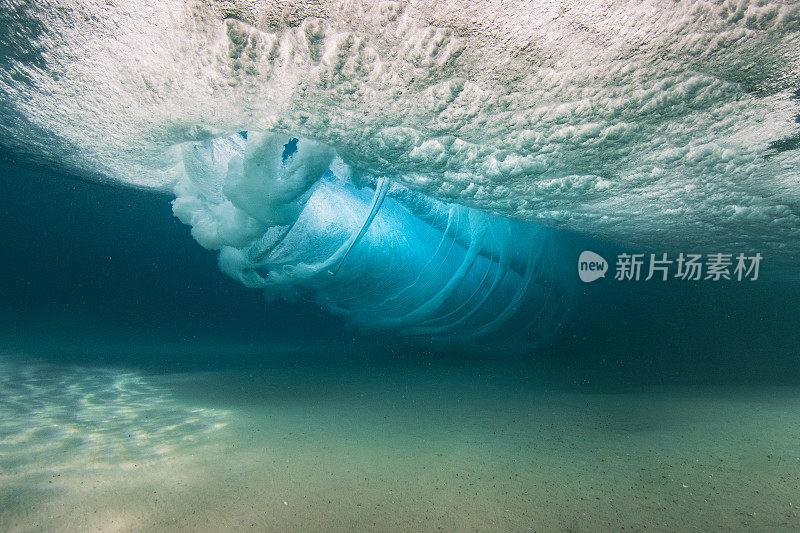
<point>632,121</point>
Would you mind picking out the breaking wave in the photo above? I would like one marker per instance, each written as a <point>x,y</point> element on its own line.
<point>287,219</point>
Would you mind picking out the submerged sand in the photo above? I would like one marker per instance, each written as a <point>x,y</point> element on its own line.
<point>400,444</point>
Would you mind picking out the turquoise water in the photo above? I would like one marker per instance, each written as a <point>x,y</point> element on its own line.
<point>138,394</point>
<point>351,266</point>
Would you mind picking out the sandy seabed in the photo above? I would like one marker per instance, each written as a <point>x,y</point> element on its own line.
<point>388,445</point>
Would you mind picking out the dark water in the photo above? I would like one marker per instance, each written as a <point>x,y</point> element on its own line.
<point>87,264</point>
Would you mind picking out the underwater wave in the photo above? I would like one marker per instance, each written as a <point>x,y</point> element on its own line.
<point>410,165</point>
<point>287,219</point>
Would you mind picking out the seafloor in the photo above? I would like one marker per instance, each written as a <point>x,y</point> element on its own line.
<point>399,443</point>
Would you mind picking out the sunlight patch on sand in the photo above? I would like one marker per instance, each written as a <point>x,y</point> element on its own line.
<point>57,419</point>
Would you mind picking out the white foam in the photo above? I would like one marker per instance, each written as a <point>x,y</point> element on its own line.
<point>633,121</point>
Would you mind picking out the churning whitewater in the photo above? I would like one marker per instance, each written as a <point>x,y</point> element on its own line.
<point>628,121</point>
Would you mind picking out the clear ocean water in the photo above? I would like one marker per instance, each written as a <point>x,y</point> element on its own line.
<point>143,390</point>
<point>345,266</point>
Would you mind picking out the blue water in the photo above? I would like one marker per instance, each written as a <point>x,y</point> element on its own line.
<point>90,263</point>
<point>142,389</point>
